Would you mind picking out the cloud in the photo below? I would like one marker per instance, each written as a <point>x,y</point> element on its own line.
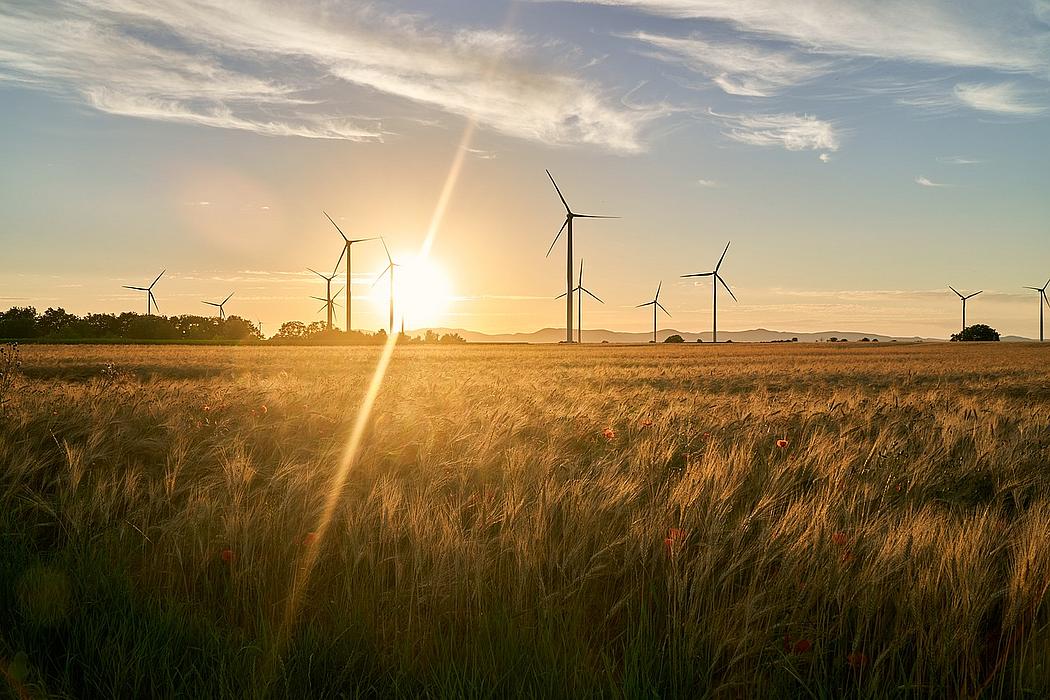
<point>1002,98</point>
<point>738,68</point>
<point>706,183</point>
<point>793,132</point>
<point>1007,35</point>
<point>283,69</point>
<point>927,182</point>
<point>959,160</point>
<point>825,157</point>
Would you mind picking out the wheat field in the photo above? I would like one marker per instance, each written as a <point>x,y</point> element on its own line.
<point>691,521</point>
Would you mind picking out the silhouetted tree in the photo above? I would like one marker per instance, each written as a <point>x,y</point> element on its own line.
<point>18,322</point>
<point>976,332</point>
<point>675,338</point>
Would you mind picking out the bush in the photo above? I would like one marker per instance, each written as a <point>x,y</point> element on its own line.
<point>674,339</point>
<point>977,332</point>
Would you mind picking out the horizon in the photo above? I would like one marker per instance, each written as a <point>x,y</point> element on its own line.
<point>859,163</point>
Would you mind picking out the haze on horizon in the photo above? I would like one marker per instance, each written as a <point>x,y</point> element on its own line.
<point>860,156</point>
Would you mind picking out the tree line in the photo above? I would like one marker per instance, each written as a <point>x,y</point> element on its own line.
<point>57,325</point>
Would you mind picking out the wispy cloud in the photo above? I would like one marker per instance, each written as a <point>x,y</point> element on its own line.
<point>1001,98</point>
<point>794,132</point>
<point>927,182</point>
<point>283,69</point>
<point>706,183</point>
<point>959,160</point>
<point>737,67</point>
<point>1009,35</point>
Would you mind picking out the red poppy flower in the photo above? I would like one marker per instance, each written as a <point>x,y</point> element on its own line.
<point>609,434</point>
<point>647,422</point>
<point>782,443</point>
<point>310,539</point>
<point>802,646</point>
<point>839,538</point>
<point>262,409</point>
<point>227,555</point>
<point>857,660</point>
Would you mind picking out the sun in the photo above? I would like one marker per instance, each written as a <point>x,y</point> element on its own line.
<point>422,294</point>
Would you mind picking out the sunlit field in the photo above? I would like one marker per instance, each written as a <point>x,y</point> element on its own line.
<point>736,521</point>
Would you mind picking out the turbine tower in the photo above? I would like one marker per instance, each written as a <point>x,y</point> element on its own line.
<point>390,267</point>
<point>716,278</point>
<point>580,291</point>
<point>151,301</point>
<point>655,303</point>
<point>964,298</point>
<point>219,306</point>
<point>328,282</point>
<point>1042,298</point>
<point>348,242</point>
<point>569,216</point>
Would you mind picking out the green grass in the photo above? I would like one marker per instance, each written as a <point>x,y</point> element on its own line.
<point>490,540</point>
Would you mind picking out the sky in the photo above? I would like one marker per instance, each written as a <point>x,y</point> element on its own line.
<point>860,155</point>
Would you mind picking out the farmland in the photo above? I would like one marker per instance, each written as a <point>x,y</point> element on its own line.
<point>733,521</point>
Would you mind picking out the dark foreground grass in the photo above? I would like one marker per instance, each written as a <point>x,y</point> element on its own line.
<point>528,521</point>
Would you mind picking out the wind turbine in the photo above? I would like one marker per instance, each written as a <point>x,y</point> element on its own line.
<point>151,300</point>
<point>390,267</point>
<point>714,292</point>
<point>348,242</point>
<point>219,306</point>
<point>580,291</point>
<point>655,303</point>
<point>569,216</point>
<point>328,281</point>
<point>964,298</point>
<point>1042,298</point>
<point>329,303</point>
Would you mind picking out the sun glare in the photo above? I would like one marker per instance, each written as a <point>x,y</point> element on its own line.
<point>422,294</point>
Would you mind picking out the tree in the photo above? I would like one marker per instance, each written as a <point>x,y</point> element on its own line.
<point>18,322</point>
<point>976,332</point>
<point>291,330</point>
<point>674,339</point>
<point>450,338</point>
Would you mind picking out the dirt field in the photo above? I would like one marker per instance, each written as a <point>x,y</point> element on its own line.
<point>734,521</point>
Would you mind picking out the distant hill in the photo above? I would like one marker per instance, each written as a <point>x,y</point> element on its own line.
<point>758,335</point>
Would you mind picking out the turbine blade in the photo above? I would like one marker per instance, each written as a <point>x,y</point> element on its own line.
<point>562,295</point>
<point>955,290</point>
<point>648,303</point>
<point>210,303</point>
<point>141,289</point>
<point>335,270</point>
<point>229,297</point>
<point>338,293</point>
<point>560,195</point>
<point>336,226</point>
<point>316,273</point>
<point>1034,289</point>
<point>658,288</point>
<point>363,240</point>
<point>324,307</point>
<point>595,216</point>
<point>974,294</point>
<point>723,257</point>
<point>1046,285</point>
<point>388,268</point>
<point>389,259</point>
<point>663,309</point>
<point>155,304</point>
<point>588,292</point>
<point>698,274</point>
<point>719,278</point>
<point>320,299</point>
<point>564,224</point>
<point>158,278</point>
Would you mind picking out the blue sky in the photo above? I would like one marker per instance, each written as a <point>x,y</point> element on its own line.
<point>860,156</point>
